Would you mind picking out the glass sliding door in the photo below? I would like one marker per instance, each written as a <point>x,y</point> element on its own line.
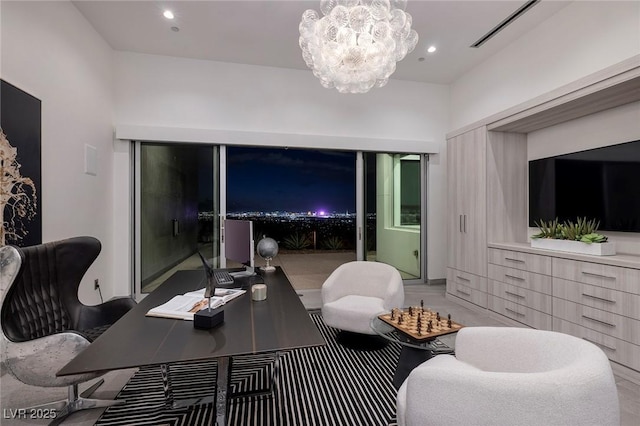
<point>177,210</point>
<point>394,205</point>
<point>305,199</point>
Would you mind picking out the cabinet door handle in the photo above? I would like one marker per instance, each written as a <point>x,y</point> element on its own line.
<point>591,274</point>
<point>599,344</point>
<point>598,298</point>
<point>463,292</point>
<point>514,294</point>
<point>599,321</point>
<point>514,260</point>
<point>460,217</point>
<point>465,223</point>
<point>514,312</point>
<point>514,277</point>
<point>463,278</point>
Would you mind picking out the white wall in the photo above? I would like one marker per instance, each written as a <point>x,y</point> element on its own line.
<point>610,127</point>
<point>580,39</point>
<point>176,93</point>
<point>50,51</point>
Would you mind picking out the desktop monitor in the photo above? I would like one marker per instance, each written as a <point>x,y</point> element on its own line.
<point>238,243</point>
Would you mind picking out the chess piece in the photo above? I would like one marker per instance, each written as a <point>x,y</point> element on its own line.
<point>422,304</point>
<point>437,316</point>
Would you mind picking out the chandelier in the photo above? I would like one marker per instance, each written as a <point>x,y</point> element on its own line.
<point>356,44</point>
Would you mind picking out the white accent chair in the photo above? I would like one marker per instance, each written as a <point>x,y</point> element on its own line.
<point>357,291</point>
<point>512,376</point>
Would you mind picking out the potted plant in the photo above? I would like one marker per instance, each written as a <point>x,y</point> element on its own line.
<point>575,237</point>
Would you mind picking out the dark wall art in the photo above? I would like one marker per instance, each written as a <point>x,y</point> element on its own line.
<point>20,167</point>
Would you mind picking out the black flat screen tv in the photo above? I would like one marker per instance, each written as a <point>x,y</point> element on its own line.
<point>601,183</point>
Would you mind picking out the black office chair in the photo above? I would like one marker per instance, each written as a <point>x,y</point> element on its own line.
<point>44,324</point>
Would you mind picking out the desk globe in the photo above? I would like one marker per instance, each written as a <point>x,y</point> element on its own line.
<point>267,249</point>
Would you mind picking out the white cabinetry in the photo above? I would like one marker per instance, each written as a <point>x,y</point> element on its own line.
<point>466,173</point>
<point>588,296</point>
<point>591,297</point>
<point>485,171</point>
<point>520,287</point>
<point>469,287</point>
<point>466,232</point>
<point>600,303</point>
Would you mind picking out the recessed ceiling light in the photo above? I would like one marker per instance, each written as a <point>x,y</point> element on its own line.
<point>168,14</point>
<point>175,29</point>
<point>421,59</point>
<point>431,49</point>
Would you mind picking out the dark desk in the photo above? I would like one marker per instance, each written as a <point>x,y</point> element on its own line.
<point>278,323</point>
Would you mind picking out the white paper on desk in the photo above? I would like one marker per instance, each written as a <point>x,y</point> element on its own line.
<point>179,307</point>
<point>224,294</point>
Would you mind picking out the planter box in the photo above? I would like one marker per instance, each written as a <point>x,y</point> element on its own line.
<point>597,249</point>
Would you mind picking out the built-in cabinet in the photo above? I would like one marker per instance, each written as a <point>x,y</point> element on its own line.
<point>600,303</point>
<point>520,287</point>
<point>491,266</point>
<point>467,165</point>
<point>590,297</point>
<point>485,172</point>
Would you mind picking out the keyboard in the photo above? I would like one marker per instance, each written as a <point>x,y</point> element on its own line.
<point>222,277</point>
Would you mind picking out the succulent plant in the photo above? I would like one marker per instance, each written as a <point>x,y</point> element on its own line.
<point>333,243</point>
<point>550,229</point>
<point>594,238</point>
<point>581,230</point>
<point>297,241</point>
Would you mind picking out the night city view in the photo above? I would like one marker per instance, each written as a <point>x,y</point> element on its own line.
<point>304,199</point>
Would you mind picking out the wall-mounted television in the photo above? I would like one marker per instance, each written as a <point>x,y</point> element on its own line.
<point>601,183</point>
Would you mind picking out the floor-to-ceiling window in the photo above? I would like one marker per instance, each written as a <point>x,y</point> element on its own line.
<point>304,199</point>
<point>323,207</point>
<point>394,202</point>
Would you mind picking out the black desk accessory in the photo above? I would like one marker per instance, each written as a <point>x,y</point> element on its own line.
<point>208,318</point>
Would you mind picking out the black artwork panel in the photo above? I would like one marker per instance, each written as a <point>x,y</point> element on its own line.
<point>20,119</point>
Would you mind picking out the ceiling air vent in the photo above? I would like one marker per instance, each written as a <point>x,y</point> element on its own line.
<point>515,15</point>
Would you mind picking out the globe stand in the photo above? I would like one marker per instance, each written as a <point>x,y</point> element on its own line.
<point>267,249</point>
<point>268,267</point>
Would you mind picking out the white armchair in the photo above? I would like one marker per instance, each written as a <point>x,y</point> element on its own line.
<point>357,291</point>
<point>512,376</point>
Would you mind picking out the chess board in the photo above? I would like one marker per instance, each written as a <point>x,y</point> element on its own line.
<point>411,317</point>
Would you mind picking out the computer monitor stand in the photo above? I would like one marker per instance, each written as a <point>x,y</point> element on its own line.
<point>249,271</point>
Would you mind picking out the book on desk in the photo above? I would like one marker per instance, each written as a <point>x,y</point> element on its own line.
<point>184,306</point>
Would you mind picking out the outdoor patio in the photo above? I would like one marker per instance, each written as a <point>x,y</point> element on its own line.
<point>306,270</point>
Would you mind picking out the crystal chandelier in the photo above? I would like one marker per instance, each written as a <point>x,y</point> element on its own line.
<point>356,44</point>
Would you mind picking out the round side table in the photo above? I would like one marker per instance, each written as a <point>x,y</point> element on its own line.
<point>413,352</point>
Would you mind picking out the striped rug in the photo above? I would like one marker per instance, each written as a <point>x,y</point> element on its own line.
<point>322,386</point>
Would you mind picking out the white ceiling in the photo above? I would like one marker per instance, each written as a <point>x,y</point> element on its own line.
<point>266,32</point>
